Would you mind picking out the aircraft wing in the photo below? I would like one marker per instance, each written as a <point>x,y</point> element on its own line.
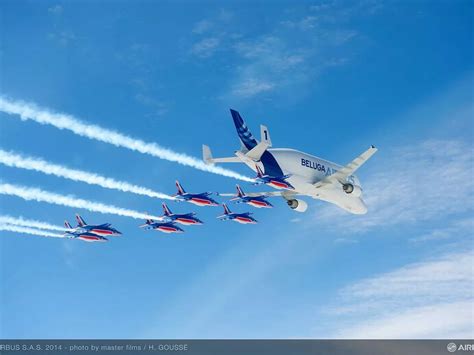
<point>342,174</point>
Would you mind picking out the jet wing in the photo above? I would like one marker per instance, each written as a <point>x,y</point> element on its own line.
<point>342,174</point>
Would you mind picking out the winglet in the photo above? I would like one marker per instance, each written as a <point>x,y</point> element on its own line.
<point>207,155</point>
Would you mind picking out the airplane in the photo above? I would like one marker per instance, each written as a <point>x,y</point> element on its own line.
<point>252,199</point>
<point>307,175</point>
<point>186,219</point>
<point>201,199</point>
<point>165,227</point>
<point>99,229</point>
<point>278,182</point>
<point>242,218</point>
<point>78,233</point>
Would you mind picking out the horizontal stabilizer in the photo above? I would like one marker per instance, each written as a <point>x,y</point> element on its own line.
<point>256,152</point>
<point>208,159</point>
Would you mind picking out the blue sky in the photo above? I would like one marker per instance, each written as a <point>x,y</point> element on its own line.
<point>328,78</point>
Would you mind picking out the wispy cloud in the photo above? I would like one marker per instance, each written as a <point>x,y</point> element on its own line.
<point>34,194</point>
<point>40,165</point>
<point>420,182</point>
<point>56,10</point>
<point>205,47</point>
<point>27,111</point>
<point>202,26</point>
<point>286,56</point>
<point>429,299</point>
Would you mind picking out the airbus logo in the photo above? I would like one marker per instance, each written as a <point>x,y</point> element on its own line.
<point>452,347</point>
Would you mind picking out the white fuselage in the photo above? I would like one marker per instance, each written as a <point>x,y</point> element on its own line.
<point>305,170</point>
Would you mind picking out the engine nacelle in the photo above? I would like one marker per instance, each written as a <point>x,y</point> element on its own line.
<point>352,189</point>
<point>298,205</point>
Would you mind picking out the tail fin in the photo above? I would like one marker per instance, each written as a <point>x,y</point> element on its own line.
<point>149,221</point>
<point>166,210</point>
<point>226,209</point>
<point>180,188</point>
<point>67,225</point>
<point>245,135</point>
<point>80,221</point>
<point>240,193</point>
<point>259,171</point>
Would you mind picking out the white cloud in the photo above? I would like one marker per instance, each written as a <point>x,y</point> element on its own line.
<point>251,87</point>
<point>429,299</point>
<point>202,26</point>
<point>55,10</point>
<point>424,181</point>
<point>205,47</point>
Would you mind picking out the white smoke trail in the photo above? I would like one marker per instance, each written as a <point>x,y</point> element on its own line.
<point>20,221</point>
<point>28,111</point>
<point>28,193</point>
<point>26,230</point>
<point>29,163</point>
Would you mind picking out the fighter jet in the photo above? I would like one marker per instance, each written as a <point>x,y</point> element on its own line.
<point>278,182</point>
<point>253,199</point>
<point>165,227</point>
<point>201,199</point>
<point>100,229</point>
<point>243,218</point>
<point>186,219</point>
<point>81,234</point>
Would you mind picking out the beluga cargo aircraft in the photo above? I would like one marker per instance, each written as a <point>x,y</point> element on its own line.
<point>296,173</point>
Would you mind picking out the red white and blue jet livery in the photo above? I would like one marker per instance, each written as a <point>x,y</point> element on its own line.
<point>165,227</point>
<point>278,182</point>
<point>201,199</point>
<point>242,218</point>
<point>81,234</point>
<point>186,219</point>
<point>256,200</point>
<point>98,229</point>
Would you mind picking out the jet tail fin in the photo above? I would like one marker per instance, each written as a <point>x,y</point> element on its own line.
<point>226,209</point>
<point>240,193</point>
<point>67,225</point>
<point>244,133</point>
<point>166,209</point>
<point>259,171</point>
<point>180,188</point>
<point>80,221</point>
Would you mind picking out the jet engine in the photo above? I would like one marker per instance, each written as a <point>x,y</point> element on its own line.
<point>352,189</point>
<point>297,205</point>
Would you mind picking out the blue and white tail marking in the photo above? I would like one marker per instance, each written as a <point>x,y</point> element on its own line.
<point>244,133</point>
